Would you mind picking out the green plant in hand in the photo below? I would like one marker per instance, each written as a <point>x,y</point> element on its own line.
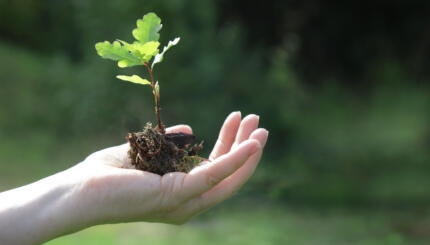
<point>152,149</point>
<point>140,53</point>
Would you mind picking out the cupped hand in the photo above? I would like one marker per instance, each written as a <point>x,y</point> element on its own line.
<point>113,191</point>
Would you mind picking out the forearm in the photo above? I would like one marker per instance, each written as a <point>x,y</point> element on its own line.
<point>40,211</point>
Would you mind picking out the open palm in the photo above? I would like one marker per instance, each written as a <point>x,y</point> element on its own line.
<point>119,193</point>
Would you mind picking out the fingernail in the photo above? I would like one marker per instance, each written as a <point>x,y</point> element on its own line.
<point>255,147</point>
<point>266,136</point>
<point>260,134</point>
<point>252,117</point>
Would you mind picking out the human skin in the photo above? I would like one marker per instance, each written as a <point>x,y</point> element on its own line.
<point>104,188</point>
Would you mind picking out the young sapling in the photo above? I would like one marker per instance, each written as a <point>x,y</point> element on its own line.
<point>152,149</point>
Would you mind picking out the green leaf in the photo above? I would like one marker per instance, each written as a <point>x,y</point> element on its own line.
<point>144,52</point>
<point>159,57</point>
<point>134,79</point>
<point>147,28</point>
<point>118,52</point>
<point>157,88</point>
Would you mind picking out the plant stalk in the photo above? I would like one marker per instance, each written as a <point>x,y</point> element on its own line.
<point>156,93</point>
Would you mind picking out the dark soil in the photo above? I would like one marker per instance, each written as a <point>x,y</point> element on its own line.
<point>153,151</point>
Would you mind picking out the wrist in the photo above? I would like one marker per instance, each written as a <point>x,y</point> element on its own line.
<point>66,206</point>
<point>40,211</point>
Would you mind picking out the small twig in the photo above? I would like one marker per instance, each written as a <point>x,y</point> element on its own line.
<point>156,99</point>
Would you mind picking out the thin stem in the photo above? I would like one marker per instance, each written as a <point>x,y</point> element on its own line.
<point>160,124</point>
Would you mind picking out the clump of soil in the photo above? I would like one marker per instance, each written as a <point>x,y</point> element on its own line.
<point>156,152</point>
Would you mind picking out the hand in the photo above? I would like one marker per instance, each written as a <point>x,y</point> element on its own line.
<point>105,188</point>
<point>117,193</point>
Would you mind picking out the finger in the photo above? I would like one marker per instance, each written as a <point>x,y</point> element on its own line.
<point>233,183</point>
<point>226,136</point>
<point>261,135</point>
<point>179,129</point>
<point>247,126</point>
<point>115,156</point>
<point>204,177</point>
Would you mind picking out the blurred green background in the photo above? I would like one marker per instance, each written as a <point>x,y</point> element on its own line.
<point>343,89</point>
